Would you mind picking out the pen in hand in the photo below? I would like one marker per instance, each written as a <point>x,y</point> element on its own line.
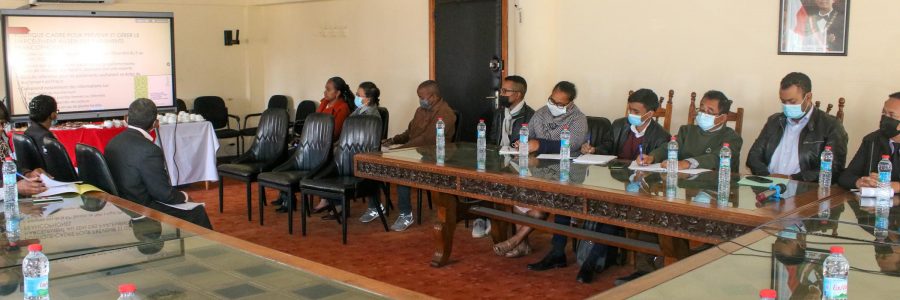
<point>641,155</point>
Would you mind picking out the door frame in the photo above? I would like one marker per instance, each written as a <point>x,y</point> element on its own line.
<point>504,38</point>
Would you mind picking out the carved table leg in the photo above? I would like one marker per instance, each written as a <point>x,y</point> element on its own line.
<point>444,227</point>
<point>674,248</point>
<point>500,229</point>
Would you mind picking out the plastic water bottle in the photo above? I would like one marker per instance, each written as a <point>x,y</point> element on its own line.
<point>768,295</point>
<point>835,270</point>
<point>564,147</point>
<point>882,212</point>
<point>724,172</point>
<point>10,192</point>
<point>441,142</point>
<point>12,223</point>
<point>482,144</point>
<point>671,185</point>
<point>825,167</point>
<point>126,292</point>
<point>564,165</point>
<point>523,141</point>
<point>36,271</point>
<point>672,158</point>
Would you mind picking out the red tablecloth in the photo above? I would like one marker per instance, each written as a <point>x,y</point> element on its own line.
<point>95,137</point>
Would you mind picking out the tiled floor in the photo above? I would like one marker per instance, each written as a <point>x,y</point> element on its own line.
<point>401,259</point>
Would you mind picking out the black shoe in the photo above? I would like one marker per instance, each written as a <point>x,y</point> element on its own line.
<point>321,210</point>
<point>626,279</point>
<point>282,209</point>
<point>550,261</point>
<point>586,273</point>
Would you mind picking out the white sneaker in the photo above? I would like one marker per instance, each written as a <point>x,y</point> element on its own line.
<point>370,215</point>
<point>403,222</point>
<point>479,229</point>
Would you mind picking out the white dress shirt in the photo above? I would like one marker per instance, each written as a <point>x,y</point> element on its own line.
<point>507,121</point>
<point>786,159</point>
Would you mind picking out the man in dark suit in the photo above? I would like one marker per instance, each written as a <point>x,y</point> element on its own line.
<point>42,111</point>
<point>138,167</point>
<point>863,169</point>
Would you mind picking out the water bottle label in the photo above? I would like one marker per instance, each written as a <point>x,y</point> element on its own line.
<point>825,166</point>
<point>787,234</point>
<point>673,155</point>
<point>480,134</point>
<point>440,132</point>
<point>724,162</point>
<point>523,139</point>
<point>835,288</point>
<point>37,286</point>
<point>564,144</point>
<point>884,177</point>
<point>881,222</point>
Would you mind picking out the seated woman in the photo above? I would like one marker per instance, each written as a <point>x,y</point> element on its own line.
<point>366,100</point>
<point>334,103</point>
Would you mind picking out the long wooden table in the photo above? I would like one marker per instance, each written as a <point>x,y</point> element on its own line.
<point>677,211</point>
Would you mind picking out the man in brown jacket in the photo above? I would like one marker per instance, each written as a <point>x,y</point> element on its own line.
<point>421,133</point>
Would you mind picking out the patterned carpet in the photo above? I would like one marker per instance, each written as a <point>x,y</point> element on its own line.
<point>402,259</point>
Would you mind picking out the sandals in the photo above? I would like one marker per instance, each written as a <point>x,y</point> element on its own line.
<point>521,250</point>
<point>503,247</point>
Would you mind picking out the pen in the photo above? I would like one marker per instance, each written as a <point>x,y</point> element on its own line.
<point>23,176</point>
<point>641,154</point>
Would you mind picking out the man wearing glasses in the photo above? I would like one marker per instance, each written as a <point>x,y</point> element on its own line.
<point>699,144</point>
<point>511,113</point>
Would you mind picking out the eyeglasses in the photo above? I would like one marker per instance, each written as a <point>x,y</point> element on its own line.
<point>698,111</point>
<point>556,104</point>
<point>504,91</point>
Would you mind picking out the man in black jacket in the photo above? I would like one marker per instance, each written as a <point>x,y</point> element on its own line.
<point>863,169</point>
<point>791,142</point>
<point>512,113</point>
<point>138,167</point>
<point>637,129</point>
<point>42,111</point>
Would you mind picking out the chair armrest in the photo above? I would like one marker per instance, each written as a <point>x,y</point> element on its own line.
<point>247,117</point>
<point>237,119</point>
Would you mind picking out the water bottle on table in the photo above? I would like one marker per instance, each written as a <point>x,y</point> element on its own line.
<point>835,270</point>
<point>10,191</point>
<point>564,148</point>
<point>36,272</point>
<point>441,142</point>
<point>768,294</point>
<point>482,144</point>
<point>724,173</point>
<point>523,141</point>
<point>825,167</point>
<point>672,157</point>
<point>127,292</point>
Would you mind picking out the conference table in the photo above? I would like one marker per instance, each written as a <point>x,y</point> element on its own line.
<point>97,241</point>
<point>189,148</point>
<point>681,212</point>
<point>741,268</point>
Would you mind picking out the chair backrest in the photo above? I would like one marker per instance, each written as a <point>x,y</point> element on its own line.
<point>360,134</point>
<point>736,116</point>
<point>278,101</point>
<point>304,109</point>
<point>840,113</point>
<point>180,106</point>
<point>93,170</point>
<point>385,120</point>
<point>27,154</point>
<point>213,109</point>
<point>57,161</point>
<point>314,145</point>
<point>597,126</point>
<point>664,111</point>
<point>271,136</point>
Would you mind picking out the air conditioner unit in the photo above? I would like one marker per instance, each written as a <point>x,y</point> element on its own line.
<point>73,1</point>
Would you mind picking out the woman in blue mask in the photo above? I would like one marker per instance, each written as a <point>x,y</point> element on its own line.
<point>366,100</point>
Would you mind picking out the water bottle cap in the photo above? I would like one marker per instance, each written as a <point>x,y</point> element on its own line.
<point>827,147</point>
<point>673,138</point>
<point>480,120</point>
<point>771,294</point>
<point>726,145</point>
<point>35,248</point>
<point>440,118</point>
<point>127,288</point>
<point>885,156</point>
<point>837,250</point>
<point>9,158</point>
<point>524,124</point>
<point>565,126</point>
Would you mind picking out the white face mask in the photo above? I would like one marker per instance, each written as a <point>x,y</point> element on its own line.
<point>556,111</point>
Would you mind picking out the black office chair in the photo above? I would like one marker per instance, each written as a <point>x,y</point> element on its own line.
<point>213,109</point>
<point>180,106</point>
<point>93,170</point>
<point>311,153</point>
<point>304,109</point>
<point>453,139</point>
<point>336,181</point>
<point>263,155</point>
<point>27,154</point>
<point>276,101</point>
<point>597,126</point>
<point>57,161</point>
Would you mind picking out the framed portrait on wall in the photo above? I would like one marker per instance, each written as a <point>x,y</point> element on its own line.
<point>813,27</point>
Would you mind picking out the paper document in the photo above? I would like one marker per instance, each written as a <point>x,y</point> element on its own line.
<point>390,147</point>
<point>548,156</point>
<point>593,159</point>
<point>508,150</point>
<point>185,205</point>
<point>693,171</point>
<point>56,187</point>
<point>649,168</point>
<point>48,182</point>
<point>775,180</point>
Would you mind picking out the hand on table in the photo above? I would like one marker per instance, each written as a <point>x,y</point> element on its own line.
<point>31,185</point>
<point>587,149</point>
<point>37,173</point>
<point>644,160</point>
<point>532,145</point>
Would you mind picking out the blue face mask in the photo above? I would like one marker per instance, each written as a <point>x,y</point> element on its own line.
<point>705,121</point>
<point>633,187</point>
<point>53,123</point>
<point>424,104</point>
<point>793,111</point>
<point>358,101</point>
<point>635,120</point>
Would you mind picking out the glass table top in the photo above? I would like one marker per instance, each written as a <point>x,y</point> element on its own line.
<point>187,268</point>
<point>789,259</point>
<point>77,226</point>
<point>700,189</point>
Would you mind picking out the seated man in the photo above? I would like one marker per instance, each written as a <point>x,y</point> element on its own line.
<point>699,144</point>
<point>138,167</point>
<point>637,129</point>
<point>863,169</point>
<point>791,142</point>
<point>42,112</point>
<point>33,184</point>
<point>545,127</point>
<point>421,132</point>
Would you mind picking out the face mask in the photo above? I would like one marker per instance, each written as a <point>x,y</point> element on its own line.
<point>705,121</point>
<point>702,197</point>
<point>633,187</point>
<point>53,123</point>
<point>793,111</point>
<point>635,120</point>
<point>503,101</point>
<point>556,111</point>
<point>423,103</point>
<point>888,127</point>
<point>358,101</point>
